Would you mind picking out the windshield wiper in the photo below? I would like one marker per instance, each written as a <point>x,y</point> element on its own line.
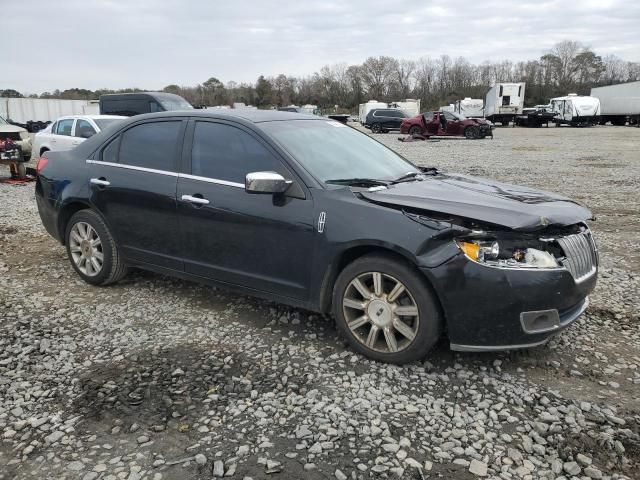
<point>358,181</point>
<point>415,175</point>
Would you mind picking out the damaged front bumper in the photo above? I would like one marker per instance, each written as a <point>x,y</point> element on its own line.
<point>489,309</point>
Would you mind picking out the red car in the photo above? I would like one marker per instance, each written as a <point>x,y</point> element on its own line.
<point>430,124</point>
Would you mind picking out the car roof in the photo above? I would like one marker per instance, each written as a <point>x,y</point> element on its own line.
<point>92,117</point>
<point>247,115</point>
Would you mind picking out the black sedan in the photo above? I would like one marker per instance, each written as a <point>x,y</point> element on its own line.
<point>310,212</point>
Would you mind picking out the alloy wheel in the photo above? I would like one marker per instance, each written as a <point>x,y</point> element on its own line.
<point>380,312</point>
<point>86,249</point>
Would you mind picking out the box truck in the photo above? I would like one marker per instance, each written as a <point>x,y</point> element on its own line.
<point>503,102</point>
<point>619,103</point>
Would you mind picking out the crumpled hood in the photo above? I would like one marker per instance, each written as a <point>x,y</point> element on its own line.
<point>8,128</point>
<point>512,206</point>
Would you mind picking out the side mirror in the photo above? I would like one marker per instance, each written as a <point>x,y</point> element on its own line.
<point>266,182</point>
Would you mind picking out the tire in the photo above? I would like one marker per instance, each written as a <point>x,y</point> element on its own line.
<point>77,237</point>
<point>421,330</point>
<point>376,128</point>
<point>415,130</point>
<point>471,132</point>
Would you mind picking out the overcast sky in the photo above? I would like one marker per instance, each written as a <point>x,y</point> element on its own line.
<point>153,43</point>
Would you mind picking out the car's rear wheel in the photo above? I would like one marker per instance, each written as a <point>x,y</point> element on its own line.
<point>471,132</point>
<point>415,130</point>
<point>376,128</point>
<point>92,250</point>
<point>386,310</point>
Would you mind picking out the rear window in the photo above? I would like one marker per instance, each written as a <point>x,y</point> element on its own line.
<point>105,122</point>
<point>151,145</point>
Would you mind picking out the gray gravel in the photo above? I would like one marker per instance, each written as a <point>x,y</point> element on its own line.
<point>160,378</point>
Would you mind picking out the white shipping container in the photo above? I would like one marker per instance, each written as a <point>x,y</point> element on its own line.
<point>621,99</point>
<point>22,110</point>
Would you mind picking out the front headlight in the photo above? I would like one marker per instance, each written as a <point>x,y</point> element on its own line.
<point>509,252</point>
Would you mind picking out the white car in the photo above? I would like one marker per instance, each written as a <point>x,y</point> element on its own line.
<point>68,132</point>
<point>18,135</point>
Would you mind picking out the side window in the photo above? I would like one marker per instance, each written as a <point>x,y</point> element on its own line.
<point>449,116</point>
<point>428,117</point>
<point>223,152</point>
<point>110,152</point>
<point>151,145</point>
<point>64,127</point>
<point>84,129</point>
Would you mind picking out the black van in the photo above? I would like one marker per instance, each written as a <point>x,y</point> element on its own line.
<point>130,104</point>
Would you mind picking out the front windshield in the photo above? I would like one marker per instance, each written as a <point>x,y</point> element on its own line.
<point>175,104</point>
<point>330,150</point>
<point>105,122</point>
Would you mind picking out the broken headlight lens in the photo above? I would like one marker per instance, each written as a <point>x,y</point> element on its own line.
<point>508,253</point>
<point>480,251</point>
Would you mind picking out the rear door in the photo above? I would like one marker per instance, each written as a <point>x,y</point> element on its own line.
<point>133,185</point>
<point>62,138</point>
<point>260,241</point>
<point>82,130</point>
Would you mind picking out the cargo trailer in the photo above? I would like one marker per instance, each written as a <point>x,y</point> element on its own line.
<point>24,110</point>
<point>619,103</point>
<point>503,102</point>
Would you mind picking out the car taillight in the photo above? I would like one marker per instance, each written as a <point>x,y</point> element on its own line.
<point>42,162</point>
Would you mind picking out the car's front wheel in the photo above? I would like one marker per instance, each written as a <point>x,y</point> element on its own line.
<point>376,128</point>
<point>386,310</point>
<point>471,132</point>
<point>92,250</point>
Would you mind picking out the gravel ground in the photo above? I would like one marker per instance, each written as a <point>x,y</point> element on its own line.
<point>160,378</point>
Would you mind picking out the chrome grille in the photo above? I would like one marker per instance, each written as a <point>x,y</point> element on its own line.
<point>581,256</point>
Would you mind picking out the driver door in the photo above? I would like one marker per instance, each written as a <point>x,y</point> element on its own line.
<point>229,235</point>
<point>432,124</point>
<point>453,124</point>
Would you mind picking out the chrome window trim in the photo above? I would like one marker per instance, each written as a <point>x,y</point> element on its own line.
<point>211,180</point>
<point>134,167</point>
<point>170,174</point>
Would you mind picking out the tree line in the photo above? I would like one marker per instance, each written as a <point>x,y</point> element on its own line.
<point>569,67</point>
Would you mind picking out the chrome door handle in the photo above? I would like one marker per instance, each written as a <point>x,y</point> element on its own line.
<point>197,200</point>
<point>99,182</point>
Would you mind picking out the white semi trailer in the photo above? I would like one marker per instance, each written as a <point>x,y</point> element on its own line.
<point>576,110</point>
<point>470,107</point>
<point>503,102</point>
<point>619,103</point>
<point>23,110</point>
